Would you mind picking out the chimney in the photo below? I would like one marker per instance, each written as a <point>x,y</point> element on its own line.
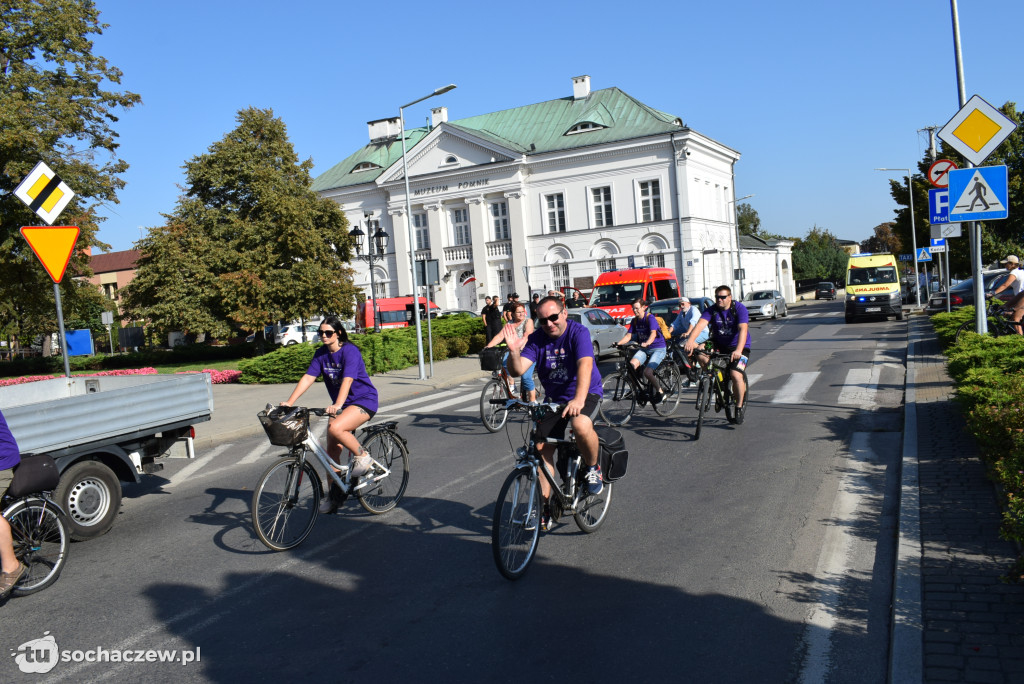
<point>438,115</point>
<point>382,129</point>
<point>580,87</point>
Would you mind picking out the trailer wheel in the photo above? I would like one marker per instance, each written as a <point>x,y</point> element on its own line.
<point>90,494</point>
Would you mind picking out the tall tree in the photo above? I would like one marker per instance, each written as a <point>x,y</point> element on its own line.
<point>248,243</point>
<point>884,239</point>
<point>53,108</point>
<point>819,256</point>
<point>747,219</point>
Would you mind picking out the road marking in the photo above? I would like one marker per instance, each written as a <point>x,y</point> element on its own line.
<point>258,453</point>
<point>420,400</point>
<point>858,389</point>
<point>195,465</point>
<point>796,387</point>
<point>433,407</point>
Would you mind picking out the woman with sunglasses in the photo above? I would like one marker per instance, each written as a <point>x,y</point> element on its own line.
<point>522,327</point>
<point>645,331</point>
<point>353,399</point>
<point>729,322</point>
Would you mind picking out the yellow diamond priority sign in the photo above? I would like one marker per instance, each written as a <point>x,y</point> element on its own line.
<point>53,246</point>
<point>44,192</point>
<point>977,130</point>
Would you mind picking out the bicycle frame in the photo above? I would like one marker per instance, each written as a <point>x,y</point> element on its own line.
<point>336,470</point>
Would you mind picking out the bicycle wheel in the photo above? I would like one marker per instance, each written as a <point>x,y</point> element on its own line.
<point>286,503</point>
<point>671,382</point>
<point>592,509</point>
<point>513,539</point>
<point>703,401</point>
<point>729,403</point>
<point>41,534</point>
<point>385,488</point>
<point>619,399</point>
<point>962,331</point>
<point>493,416</point>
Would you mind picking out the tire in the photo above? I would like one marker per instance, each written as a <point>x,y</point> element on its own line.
<point>785,311</point>
<point>493,416</point>
<point>962,331</point>
<point>849,318</point>
<point>42,535</point>
<point>775,312</point>
<point>286,503</point>
<point>90,495</point>
<point>671,381</point>
<point>512,545</point>
<point>899,314</point>
<point>592,510</point>
<point>386,491</point>
<point>597,351</point>
<point>703,401</point>
<point>619,402</point>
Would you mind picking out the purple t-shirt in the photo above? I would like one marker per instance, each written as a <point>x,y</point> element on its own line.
<point>556,357</point>
<point>641,329</point>
<point>347,362</point>
<point>9,454</point>
<point>725,325</point>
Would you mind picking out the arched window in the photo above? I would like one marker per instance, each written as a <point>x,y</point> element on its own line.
<point>451,159</point>
<point>365,166</point>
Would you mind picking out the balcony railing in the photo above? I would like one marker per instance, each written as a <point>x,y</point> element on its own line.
<point>499,248</point>
<point>459,254</point>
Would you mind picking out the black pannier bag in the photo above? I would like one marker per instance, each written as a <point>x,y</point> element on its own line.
<point>285,426</point>
<point>36,473</point>
<point>490,358</point>
<point>612,454</point>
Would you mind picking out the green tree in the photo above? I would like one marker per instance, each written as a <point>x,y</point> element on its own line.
<point>747,219</point>
<point>248,243</point>
<point>53,108</point>
<point>819,256</point>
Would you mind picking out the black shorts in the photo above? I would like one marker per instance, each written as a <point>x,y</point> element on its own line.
<point>554,425</point>
<point>730,350</point>
<point>365,410</point>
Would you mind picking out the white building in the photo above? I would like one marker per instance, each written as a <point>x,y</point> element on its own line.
<point>551,194</point>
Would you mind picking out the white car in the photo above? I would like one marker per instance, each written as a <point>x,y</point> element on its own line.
<point>604,330</point>
<point>766,304</point>
<point>292,334</point>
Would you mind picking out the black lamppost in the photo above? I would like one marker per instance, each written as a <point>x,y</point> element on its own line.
<point>377,252</point>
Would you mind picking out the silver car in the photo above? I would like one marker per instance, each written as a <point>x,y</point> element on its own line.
<point>604,330</point>
<point>765,304</point>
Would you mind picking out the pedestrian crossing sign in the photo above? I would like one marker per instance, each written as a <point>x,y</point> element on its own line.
<point>924,255</point>
<point>978,194</point>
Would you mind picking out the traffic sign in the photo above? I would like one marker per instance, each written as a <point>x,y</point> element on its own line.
<point>52,246</point>
<point>978,194</point>
<point>938,172</point>
<point>977,130</point>
<point>44,192</point>
<point>938,206</point>
<point>924,254</point>
<point>906,257</point>
<point>938,245</point>
<point>950,230</point>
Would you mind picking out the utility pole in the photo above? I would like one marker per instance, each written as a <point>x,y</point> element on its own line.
<point>932,152</point>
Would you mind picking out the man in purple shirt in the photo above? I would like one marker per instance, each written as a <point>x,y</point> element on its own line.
<point>564,356</point>
<point>12,569</point>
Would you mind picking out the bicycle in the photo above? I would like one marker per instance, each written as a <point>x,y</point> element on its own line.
<point>999,323</point>
<point>712,381</point>
<point>501,386</point>
<point>515,527</point>
<point>627,387</point>
<point>286,500</point>
<point>40,530</point>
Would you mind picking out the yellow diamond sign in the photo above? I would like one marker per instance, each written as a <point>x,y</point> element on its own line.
<point>977,130</point>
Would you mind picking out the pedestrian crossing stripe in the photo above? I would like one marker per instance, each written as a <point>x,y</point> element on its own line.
<point>980,192</point>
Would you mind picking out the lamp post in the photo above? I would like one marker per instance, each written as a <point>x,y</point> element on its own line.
<point>376,252</point>
<point>736,220</point>
<point>408,225</point>
<point>913,232</point>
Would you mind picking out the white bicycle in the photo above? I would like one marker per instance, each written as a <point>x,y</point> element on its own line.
<point>286,501</point>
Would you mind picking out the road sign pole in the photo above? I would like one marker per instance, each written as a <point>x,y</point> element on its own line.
<point>60,326</point>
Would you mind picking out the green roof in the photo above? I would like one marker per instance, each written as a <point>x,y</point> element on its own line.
<point>533,129</point>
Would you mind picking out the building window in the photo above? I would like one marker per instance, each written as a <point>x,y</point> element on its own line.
<point>110,291</point>
<point>655,260</point>
<point>583,127</point>
<point>601,201</point>
<point>499,216</point>
<point>460,227</point>
<point>365,166</point>
<point>451,159</point>
<point>419,224</point>
<point>556,213</point>
<point>505,287</point>
<point>380,290</point>
<point>605,265</point>
<point>650,201</point>
<point>560,275</point>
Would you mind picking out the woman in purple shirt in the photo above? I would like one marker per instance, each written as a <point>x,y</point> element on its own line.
<point>645,331</point>
<point>12,569</point>
<point>353,399</point>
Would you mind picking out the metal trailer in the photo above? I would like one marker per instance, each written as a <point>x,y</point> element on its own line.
<point>105,430</point>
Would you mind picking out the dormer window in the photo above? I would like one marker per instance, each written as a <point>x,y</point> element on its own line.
<point>584,127</point>
<point>451,159</point>
<point>365,166</point>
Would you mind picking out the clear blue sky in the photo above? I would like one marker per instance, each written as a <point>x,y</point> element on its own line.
<point>814,95</point>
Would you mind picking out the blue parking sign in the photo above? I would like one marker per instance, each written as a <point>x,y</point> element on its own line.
<point>938,205</point>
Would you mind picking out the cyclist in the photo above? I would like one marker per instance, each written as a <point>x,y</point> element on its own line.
<point>353,400</point>
<point>12,569</point>
<point>644,329</point>
<point>1014,282</point>
<point>523,327</point>
<point>729,322</point>
<point>687,317</point>
<point>564,357</point>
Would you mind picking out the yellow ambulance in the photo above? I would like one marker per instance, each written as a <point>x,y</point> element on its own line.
<point>873,287</point>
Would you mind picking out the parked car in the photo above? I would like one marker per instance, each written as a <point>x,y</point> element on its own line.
<point>766,304</point>
<point>825,290</point>
<point>604,330</point>
<point>454,312</point>
<point>292,334</point>
<point>666,308</point>
<point>962,294</point>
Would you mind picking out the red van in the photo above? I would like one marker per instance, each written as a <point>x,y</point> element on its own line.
<point>393,313</point>
<point>615,291</point>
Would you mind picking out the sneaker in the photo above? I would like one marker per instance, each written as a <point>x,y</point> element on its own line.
<point>656,398</point>
<point>739,414</point>
<point>8,580</point>
<point>531,521</point>
<point>360,466</point>
<point>595,481</point>
<point>686,384</point>
<point>546,522</point>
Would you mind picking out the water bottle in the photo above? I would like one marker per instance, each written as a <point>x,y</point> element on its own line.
<point>742,363</point>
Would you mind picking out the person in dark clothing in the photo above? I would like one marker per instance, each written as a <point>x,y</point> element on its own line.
<point>492,317</point>
<point>534,306</point>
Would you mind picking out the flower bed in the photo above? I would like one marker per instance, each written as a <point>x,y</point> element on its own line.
<point>218,377</point>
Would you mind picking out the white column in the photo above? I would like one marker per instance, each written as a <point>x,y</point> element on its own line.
<point>519,228</point>
<point>436,233</point>
<point>400,239</point>
<point>480,233</point>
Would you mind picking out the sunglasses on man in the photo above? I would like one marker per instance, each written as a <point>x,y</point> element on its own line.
<point>553,318</point>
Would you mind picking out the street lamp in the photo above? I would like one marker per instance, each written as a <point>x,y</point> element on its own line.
<point>913,233</point>
<point>408,225</point>
<point>377,249</point>
<point>736,220</point>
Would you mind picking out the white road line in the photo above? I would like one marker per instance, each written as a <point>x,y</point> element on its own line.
<point>430,409</point>
<point>258,453</point>
<point>754,377</point>
<point>859,389</point>
<point>420,400</point>
<point>197,464</point>
<point>795,389</point>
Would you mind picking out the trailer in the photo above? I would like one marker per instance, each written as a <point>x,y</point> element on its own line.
<point>105,430</point>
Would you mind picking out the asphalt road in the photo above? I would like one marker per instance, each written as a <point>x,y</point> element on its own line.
<point>761,552</point>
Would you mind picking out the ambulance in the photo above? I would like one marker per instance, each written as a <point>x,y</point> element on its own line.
<point>873,287</point>
<point>615,291</point>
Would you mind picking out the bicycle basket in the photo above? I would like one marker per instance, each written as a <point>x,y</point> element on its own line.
<point>490,358</point>
<point>285,426</point>
<point>720,361</point>
<point>36,473</point>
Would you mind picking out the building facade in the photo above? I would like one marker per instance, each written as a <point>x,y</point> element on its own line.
<point>548,195</point>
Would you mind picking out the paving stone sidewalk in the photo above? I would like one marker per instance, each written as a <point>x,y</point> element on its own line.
<point>973,623</point>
